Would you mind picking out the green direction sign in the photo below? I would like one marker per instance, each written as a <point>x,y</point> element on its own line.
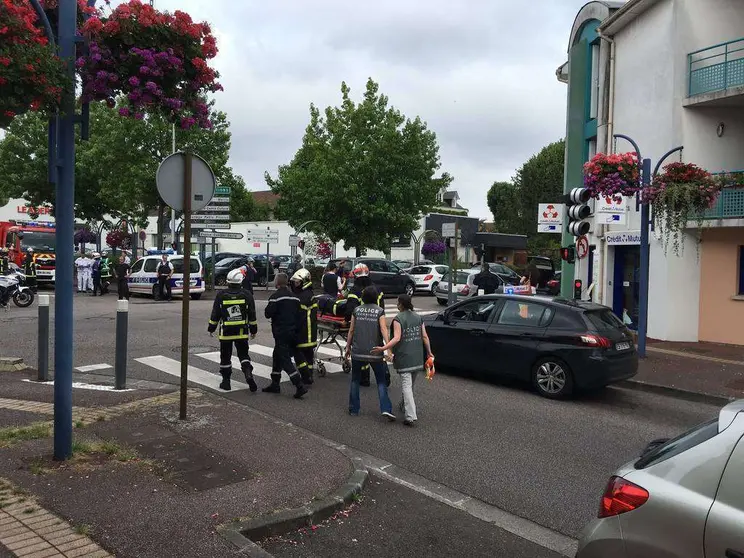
<point>222,191</point>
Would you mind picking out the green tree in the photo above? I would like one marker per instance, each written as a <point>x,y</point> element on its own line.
<point>365,173</point>
<point>504,205</point>
<point>116,168</point>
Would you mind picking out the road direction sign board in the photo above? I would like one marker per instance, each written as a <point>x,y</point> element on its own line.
<point>222,190</point>
<point>448,230</point>
<point>221,199</point>
<point>210,217</point>
<point>215,209</point>
<point>170,181</point>
<point>213,234</point>
<point>294,240</point>
<point>263,235</point>
<point>210,225</point>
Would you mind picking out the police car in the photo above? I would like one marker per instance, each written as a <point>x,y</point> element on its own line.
<point>143,278</point>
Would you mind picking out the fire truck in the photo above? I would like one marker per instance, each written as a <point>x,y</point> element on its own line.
<point>19,236</point>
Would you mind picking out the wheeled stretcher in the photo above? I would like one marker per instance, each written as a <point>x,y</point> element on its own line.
<point>332,330</point>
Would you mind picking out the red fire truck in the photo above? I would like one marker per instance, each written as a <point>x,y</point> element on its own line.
<point>19,236</point>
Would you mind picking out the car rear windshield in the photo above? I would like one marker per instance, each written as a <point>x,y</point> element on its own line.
<point>683,442</point>
<point>420,270</point>
<point>178,265</point>
<point>461,277</point>
<point>603,319</point>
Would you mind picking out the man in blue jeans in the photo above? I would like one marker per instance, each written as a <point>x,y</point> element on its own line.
<point>368,330</point>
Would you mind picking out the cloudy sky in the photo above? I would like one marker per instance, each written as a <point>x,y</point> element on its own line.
<point>480,72</point>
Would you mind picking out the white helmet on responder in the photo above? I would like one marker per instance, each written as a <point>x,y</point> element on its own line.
<point>361,270</point>
<point>302,276</point>
<point>30,250</point>
<point>235,277</point>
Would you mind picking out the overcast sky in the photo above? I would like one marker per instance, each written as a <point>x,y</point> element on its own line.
<point>480,72</point>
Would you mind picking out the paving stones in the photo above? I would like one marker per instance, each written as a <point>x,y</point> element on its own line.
<point>12,364</point>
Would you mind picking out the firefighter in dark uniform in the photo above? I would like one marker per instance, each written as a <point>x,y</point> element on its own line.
<point>235,309</point>
<point>29,269</point>
<point>362,280</point>
<point>282,309</point>
<point>307,324</point>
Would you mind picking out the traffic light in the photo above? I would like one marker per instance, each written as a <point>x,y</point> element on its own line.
<point>568,254</point>
<point>577,289</point>
<point>578,210</point>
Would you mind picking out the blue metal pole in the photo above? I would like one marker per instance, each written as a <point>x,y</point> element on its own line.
<point>65,220</point>
<point>645,259</point>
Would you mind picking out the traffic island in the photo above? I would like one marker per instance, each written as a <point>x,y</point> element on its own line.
<point>149,485</point>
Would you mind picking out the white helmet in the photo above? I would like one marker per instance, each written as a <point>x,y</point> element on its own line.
<point>301,276</point>
<point>235,277</point>
<point>360,270</point>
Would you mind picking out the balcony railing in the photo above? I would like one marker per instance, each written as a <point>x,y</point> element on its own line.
<point>716,68</point>
<point>730,202</point>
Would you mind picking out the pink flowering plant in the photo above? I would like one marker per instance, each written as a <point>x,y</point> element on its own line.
<point>158,61</point>
<point>617,174</point>
<point>680,193</point>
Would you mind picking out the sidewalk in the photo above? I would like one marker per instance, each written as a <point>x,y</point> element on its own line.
<point>144,484</point>
<point>700,368</point>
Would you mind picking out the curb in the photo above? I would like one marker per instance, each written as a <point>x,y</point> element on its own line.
<point>243,533</point>
<point>12,364</point>
<point>684,394</point>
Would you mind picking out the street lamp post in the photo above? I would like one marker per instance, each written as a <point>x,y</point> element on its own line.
<point>298,232</point>
<point>646,177</point>
<point>417,244</point>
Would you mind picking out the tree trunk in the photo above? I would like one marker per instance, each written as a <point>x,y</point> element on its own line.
<point>161,209</point>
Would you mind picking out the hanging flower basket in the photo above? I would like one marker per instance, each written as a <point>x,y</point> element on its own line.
<point>433,248</point>
<point>681,193</point>
<point>32,76</point>
<point>613,175</point>
<point>118,239</point>
<point>157,60</point>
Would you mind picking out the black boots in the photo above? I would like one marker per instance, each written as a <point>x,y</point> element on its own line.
<point>307,376</point>
<point>248,371</point>
<point>225,383</point>
<point>273,387</point>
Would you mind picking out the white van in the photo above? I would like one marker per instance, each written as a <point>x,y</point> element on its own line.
<point>143,278</point>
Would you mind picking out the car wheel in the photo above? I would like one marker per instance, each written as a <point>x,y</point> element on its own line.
<point>410,289</point>
<point>196,296</point>
<point>220,280</point>
<point>442,301</point>
<point>262,281</point>
<point>434,287</point>
<point>552,378</point>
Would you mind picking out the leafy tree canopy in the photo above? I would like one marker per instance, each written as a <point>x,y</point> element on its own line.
<point>365,173</point>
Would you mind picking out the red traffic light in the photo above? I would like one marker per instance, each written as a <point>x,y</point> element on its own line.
<point>568,254</point>
<point>577,283</point>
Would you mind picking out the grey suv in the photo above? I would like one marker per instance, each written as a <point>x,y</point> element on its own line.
<point>386,275</point>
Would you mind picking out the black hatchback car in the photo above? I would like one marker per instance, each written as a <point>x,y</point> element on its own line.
<point>386,275</point>
<point>558,345</point>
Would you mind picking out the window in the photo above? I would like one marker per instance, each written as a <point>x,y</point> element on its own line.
<point>460,279</point>
<point>441,269</point>
<point>741,270</point>
<point>392,268</point>
<point>137,267</point>
<point>519,313</point>
<point>151,265</point>
<point>604,319</point>
<point>177,264</point>
<point>594,93</point>
<point>592,147</point>
<point>477,311</point>
<point>376,265</point>
<point>419,270</point>
<point>565,319</point>
<point>682,443</point>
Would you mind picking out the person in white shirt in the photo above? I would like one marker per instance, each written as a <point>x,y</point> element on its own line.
<point>79,266</point>
<point>87,273</point>
<point>127,258</point>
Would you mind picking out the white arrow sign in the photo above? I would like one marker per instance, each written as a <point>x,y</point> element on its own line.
<point>216,217</point>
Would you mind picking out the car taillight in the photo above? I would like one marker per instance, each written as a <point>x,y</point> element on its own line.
<point>598,341</point>
<point>552,283</point>
<point>465,290</point>
<point>621,496</point>
<point>428,278</point>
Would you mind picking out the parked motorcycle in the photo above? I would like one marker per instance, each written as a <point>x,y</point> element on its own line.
<point>16,290</point>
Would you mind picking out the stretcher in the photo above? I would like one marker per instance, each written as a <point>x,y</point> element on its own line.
<point>332,330</point>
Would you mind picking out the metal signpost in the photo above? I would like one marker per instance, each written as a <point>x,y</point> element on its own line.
<point>186,183</point>
<point>449,230</point>
<point>269,237</point>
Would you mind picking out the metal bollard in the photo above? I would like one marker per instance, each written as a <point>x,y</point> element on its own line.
<point>43,352</point>
<point>122,325</point>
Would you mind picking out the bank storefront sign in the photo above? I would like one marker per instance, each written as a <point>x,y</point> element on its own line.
<point>627,238</point>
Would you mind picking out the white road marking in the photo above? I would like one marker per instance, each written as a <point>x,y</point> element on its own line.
<point>260,370</point>
<point>196,375</point>
<point>93,367</point>
<point>331,367</point>
<point>81,385</point>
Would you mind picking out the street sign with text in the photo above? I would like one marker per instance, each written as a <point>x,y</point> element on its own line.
<point>449,229</point>
<point>214,234</point>
<point>222,191</point>
<point>266,236</point>
<point>210,217</point>
<point>210,225</point>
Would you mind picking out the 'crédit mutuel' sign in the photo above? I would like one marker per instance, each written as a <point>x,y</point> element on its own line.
<point>623,238</point>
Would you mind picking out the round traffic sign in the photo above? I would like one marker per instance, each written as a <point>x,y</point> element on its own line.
<point>582,247</point>
<point>170,181</point>
<point>142,236</point>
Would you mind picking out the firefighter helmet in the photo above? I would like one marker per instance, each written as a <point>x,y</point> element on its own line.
<point>361,270</point>
<point>302,276</point>
<point>235,277</point>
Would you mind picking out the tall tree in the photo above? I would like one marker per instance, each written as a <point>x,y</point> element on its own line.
<point>115,169</point>
<point>504,205</point>
<point>364,173</point>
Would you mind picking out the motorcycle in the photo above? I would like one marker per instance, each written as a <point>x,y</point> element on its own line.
<point>15,290</point>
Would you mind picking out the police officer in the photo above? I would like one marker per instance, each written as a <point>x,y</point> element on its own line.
<point>282,309</point>
<point>362,280</point>
<point>236,310</point>
<point>165,271</point>
<point>307,324</point>
<point>105,274</point>
<point>29,269</point>
<point>97,285</point>
<point>485,280</point>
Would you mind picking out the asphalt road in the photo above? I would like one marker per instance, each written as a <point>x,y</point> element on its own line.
<point>543,460</point>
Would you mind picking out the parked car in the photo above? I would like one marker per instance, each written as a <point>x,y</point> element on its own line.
<point>683,497</point>
<point>554,285</point>
<point>218,257</point>
<point>558,345</point>
<point>227,265</point>
<point>281,262</point>
<point>427,277</point>
<point>387,276</point>
<point>461,285</point>
<point>408,264</point>
<point>510,276</point>
<point>143,277</point>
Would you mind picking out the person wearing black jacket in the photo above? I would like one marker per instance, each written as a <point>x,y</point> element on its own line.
<point>282,309</point>
<point>165,272</point>
<point>486,280</point>
<point>307,324</point>
<point>235,309</point>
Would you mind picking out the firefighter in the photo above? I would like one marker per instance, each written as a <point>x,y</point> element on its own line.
<point>105,273</point>
<point>307,325</point>
<point>4,267</point>
<point>282,310</point>
<point>362,280</point>
<point>235,309</point>
<point>29,269</point>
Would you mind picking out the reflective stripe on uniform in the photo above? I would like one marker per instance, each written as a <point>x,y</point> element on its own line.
<point>237,323</point>
<point>212,322</point>
<point>228,302</point>
<point>306,345</point>
<point>252,323</point>
<point>233,337</point>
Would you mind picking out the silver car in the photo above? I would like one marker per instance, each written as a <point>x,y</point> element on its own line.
<point>683,498</point>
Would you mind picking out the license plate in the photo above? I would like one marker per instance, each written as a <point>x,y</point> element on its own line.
<point>43,272</point>
<point>622,346</point>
